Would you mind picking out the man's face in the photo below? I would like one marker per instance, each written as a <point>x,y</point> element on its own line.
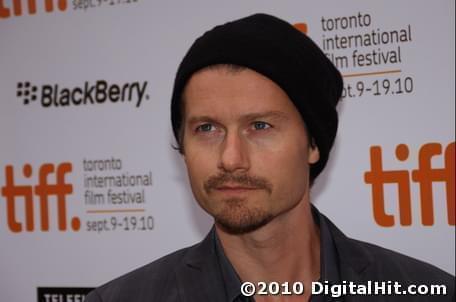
<point>245,147</point>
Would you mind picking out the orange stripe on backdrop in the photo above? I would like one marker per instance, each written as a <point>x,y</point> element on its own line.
<point>352,75</point>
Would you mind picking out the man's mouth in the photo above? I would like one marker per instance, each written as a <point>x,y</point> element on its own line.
<point>236,184</point>
<point>235,189</point>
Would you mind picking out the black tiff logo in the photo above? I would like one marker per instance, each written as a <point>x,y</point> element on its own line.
<point>87,93</point>
<point>27,92</point>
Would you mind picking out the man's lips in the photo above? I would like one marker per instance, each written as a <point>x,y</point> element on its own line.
<point>224,183</point>
<point>234,189</point>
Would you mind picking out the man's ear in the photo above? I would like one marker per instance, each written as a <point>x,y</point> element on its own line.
<point>314,153</point>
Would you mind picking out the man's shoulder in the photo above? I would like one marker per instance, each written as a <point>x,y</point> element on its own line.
<point>143,283</point>
<point>387,264</point>
<point>361,262</point>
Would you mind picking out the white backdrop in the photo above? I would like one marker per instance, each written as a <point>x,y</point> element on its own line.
<point>85,129</point>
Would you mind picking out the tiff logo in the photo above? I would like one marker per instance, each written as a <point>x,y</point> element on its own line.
<point>5,12</point>
<point>425,175</point>
<point>60,189</point>
<point>302,27</point>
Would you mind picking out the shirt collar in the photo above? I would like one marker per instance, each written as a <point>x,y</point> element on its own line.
<point>230,277</point>
<point>329,266</point>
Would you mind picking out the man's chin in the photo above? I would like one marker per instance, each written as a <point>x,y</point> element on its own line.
<point>242,225</point>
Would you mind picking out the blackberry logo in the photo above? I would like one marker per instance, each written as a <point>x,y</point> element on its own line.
<point>99,92</point>
<point>23,90</point>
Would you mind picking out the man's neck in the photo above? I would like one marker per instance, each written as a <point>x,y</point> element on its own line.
<point>285,250</point>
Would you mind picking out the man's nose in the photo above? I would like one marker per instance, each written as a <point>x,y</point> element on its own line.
<point>234,153</point>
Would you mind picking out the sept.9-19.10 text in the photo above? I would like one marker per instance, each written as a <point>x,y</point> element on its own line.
<point>377,87</point>
<point>121,223</point>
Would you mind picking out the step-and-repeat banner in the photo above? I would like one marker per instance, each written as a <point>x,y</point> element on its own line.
<point>91,187</point>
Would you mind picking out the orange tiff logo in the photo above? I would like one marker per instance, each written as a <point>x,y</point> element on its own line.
<point>60,189</point>
<point>425,175</point>
<point>302,27</point>
<point>5,12</point>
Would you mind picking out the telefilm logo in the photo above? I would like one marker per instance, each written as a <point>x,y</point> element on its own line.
<point>21,7</point>
<point>90,93</point>
<point>425,176</point>
<point>62,294</point>
<point>59,189</point>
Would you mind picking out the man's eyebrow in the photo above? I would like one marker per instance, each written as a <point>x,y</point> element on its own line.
<point>265,114</point>
<point>200,118</point>
<point>247,116</point>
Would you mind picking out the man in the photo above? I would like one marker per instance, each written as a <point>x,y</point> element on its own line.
<point>253,112</point>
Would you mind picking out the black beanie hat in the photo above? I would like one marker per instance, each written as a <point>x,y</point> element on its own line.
<point>277,50</point>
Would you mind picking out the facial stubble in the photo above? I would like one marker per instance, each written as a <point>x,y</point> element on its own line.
<point>236,216</point>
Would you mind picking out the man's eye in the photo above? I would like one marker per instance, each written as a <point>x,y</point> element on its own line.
<point>205,128</point>
<point>261,125</point>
